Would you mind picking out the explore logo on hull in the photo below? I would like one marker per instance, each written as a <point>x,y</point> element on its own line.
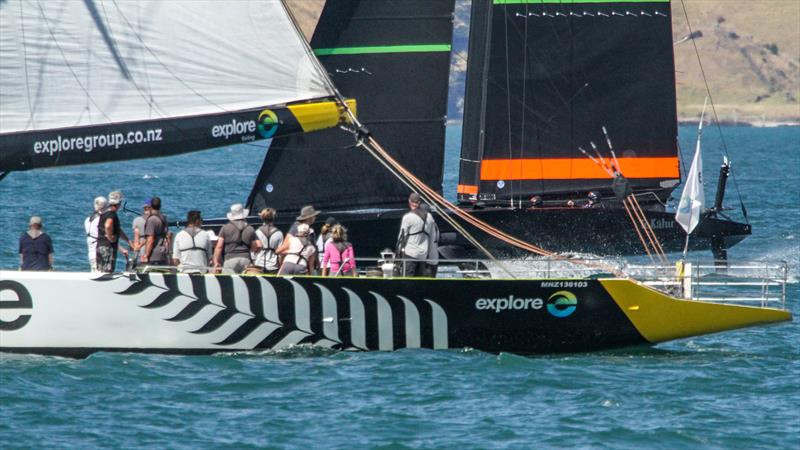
<point>266,126</point>
<point>561,304</point>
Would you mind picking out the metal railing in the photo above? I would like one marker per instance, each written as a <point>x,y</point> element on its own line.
<point>761,283</point>
<point>756,283</point>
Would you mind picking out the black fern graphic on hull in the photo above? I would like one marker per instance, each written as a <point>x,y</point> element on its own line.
<point>251,312</point>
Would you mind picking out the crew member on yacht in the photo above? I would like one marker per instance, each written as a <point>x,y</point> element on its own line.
<point>299,252</point>
<point>413,241</point>
<point>236,240</point>
<point>108,234</point>
<point>432,263</point>
<point>156,231</point>
<point>266,258</point>
<point>35,247</point>
<point>339,258</point>
<point>191,251</point>
<point>139,239</point>
<point>90,226</point>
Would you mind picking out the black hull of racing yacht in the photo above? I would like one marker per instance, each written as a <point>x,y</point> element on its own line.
<point>602,231</point>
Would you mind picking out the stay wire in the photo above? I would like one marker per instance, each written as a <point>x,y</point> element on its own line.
<point>714,110</point>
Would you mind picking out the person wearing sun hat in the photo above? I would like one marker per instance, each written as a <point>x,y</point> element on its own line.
<point>35,247</point>
<point>235,242</point>
<point>307,216</point>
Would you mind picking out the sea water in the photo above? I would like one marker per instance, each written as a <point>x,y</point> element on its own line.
<point>733,390</point>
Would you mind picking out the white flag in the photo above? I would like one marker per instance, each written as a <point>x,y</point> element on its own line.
<point>692,199</point>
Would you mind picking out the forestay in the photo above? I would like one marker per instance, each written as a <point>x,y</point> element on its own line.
<point>98,80</point>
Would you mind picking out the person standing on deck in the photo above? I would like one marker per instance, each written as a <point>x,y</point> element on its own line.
<point>432,263</point>
<point>308,215</point>
<point>35,247</point>
<point>235,241</point>
<point>266,257</point>
<point>339,258</point>
<point>191,250</point>
<point>299,252</point>
<point>90,226</point>
<point>156,231</point>
<point>413,241</point>
<point>139,239</point>
<point>108,235</point>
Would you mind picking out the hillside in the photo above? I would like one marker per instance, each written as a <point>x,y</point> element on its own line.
<point>750,51</point>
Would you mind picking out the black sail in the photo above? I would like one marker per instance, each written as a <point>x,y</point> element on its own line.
<point>552,75</point>
<point>393,58</point>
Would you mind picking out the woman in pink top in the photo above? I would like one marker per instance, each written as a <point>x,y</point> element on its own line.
<point>339,254</point>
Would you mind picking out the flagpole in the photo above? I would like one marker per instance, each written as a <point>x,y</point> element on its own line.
<point>699,136</point>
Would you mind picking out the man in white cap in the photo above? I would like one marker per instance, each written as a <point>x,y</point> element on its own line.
<point>236,240</point>
<point>108,234</point>
<point>90,226</point>
<point>35,247</point>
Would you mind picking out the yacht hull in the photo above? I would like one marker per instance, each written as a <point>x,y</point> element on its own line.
<point>76,314</point>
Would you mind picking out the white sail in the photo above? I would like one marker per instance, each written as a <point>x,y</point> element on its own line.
<point>71,63</point>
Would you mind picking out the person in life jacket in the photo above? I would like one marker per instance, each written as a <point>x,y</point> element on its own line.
<point>339,258</point>
<point>156,231</point>
<point>325,235</point>
<point>191,251</point>
<point>432,263</point>
<point>413,241</point>
<point>236,240</point>
<point>139,240</point>
<point>90,226</point>
<point>109,233</point>
<point>266,258</point>
<point>299,252</point>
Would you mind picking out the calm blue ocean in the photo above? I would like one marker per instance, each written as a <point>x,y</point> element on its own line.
<point>733,390</point>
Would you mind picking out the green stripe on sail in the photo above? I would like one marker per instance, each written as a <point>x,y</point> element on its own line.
<point>382,49</point>
<point>567,2</point>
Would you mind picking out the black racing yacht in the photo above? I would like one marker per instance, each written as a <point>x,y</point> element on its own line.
<point>552,88</point>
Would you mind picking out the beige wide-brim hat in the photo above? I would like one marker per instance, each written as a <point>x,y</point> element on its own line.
<point>35,220</point>
<point>238,212</point>
<point>307,212</point>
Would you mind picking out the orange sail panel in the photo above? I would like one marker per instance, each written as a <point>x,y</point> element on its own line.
<point>576,168</point>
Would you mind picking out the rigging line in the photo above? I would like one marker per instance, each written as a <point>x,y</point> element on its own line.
<point>428,198</point>
<point>508,102</point>
<point>482,226</point>
<point>524,92</point>
<point>714,109</point>
<point>147,98</point>
<point>638,233</point>
<point>66,61</point>
<point>486,228</point>
<point>415,181</point>
<point>158,60</point>
<point>432,198</point>
<point>25,66</point>
<point>648,230</point>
